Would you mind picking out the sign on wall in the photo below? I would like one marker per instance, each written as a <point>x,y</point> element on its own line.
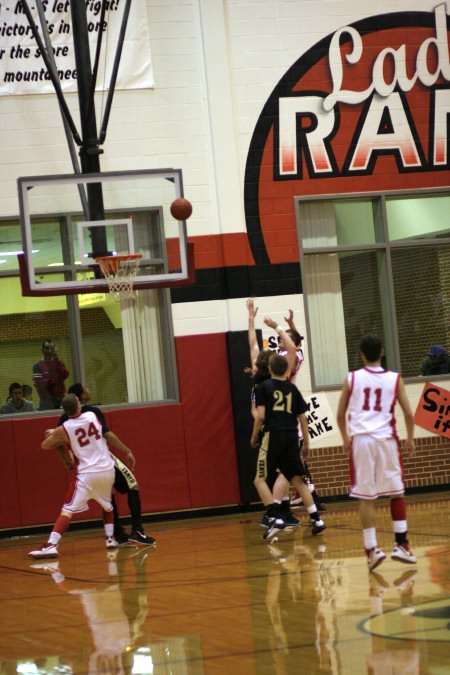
<point>365,109</point>
<point>320,419</point>
<point>433,410</point>
<point>22,68</point>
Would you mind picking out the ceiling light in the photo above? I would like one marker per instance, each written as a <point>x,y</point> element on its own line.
<point>34,250</point>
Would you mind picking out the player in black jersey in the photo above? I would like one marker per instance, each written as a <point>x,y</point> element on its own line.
<point>274,482</point>
<point>280,407</point>
<point>124,481</point>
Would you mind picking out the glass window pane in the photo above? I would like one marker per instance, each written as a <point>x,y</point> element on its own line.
<point>422,297</point>
<point>24,324</point>
<point>127,353</point>
<point>336,223</point>
<point>418,217</point>
<point>10,245</point>
<point>47,242</point>
<point>344,302</point>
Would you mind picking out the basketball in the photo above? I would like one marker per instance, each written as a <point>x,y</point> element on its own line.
<point>181,209</point>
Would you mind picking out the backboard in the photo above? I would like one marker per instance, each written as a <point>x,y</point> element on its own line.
<point>61,236</point>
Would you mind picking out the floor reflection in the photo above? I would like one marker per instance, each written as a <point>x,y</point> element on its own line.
<point>214,599</point>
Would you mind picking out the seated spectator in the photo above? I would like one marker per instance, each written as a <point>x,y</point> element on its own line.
<point>27,392</point>
<point>437,362</point>
<point>16,403</point>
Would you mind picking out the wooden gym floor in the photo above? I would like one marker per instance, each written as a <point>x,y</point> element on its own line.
<point>212,597</point>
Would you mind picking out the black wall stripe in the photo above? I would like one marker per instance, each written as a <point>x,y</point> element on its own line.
<point>241,385</point>
<point>241,282</point>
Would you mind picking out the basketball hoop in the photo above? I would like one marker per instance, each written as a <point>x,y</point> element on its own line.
<point>119,271</point>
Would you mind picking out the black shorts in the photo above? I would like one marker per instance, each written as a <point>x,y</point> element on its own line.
<point>280,450</point>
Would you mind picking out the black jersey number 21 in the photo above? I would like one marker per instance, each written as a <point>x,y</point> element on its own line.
<point>282,403</point>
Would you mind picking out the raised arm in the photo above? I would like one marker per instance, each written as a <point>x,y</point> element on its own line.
<point>252,341</point>
<point>290,347</point>
<point>290,320</point>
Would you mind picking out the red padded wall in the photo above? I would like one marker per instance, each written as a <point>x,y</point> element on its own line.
<point>156,437</point>
<point>9,494</point>
<point>185,453</point>
<point>41,476</point>
<point>208,421</point>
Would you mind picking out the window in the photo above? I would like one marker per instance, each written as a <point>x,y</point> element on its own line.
<point>376,263</point>
<point>123,352</point>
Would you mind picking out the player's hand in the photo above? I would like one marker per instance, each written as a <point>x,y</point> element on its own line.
<point>254,441</point>
<point>47,432</point>
<point>252,310</point>
<point>346,445</point>
<point>290,317</point>
<point>304,452</point>
<point>410,447</point>
<point>131,459</point>
<point>248,370</point>
<point>270,322</point>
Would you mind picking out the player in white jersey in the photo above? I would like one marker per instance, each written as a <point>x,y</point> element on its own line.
<point>367,424</point>
<point>95,474</point>
<point>297,339</point>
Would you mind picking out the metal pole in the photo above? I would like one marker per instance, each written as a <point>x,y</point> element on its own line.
<point>90,150</point>
<point>67,130</point>
<point>115,70</point>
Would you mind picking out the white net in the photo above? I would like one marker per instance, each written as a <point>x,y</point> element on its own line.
<point>120,271</point>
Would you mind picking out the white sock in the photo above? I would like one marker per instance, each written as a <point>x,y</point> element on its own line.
<point>370,538</point>
<point>109,529</point>
<point>54,538</point>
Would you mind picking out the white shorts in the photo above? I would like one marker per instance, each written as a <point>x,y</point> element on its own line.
<point>97,485</point>
<point>375,467</point>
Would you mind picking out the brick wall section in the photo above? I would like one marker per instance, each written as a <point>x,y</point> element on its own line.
<point>429,467</point>
<point>37,326</point>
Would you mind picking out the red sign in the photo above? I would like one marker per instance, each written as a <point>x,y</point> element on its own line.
<point>433,411</point>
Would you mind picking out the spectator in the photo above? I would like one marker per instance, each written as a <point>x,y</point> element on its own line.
<point>437,361</point>
<point>16,403</point>
<point>48,377</point>
<point>27,392</point>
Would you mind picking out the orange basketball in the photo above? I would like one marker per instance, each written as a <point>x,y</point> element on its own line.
<point>181,209</point>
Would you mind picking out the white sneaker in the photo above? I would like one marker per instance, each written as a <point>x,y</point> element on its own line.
<point>374,558</point>
<point>111,542</point>
<point>402,553</point>
<point>46,551</point>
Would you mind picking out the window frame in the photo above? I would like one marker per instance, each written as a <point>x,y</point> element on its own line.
<point>386,246</point>
<point>74,319</point>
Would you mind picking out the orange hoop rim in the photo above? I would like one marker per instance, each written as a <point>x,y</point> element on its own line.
<point>119,258</point>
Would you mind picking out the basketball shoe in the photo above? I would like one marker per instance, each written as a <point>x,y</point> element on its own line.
<point>120,535</point>
<point>375,557</point>
<point>276,526</point>
<point>46,551</point>
<point>318,526</point>
<point>402,553</point>
<point>111,542</point>
<point>138,537</point>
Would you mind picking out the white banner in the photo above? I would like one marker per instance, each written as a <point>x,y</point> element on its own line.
<point>321,421</point>
<point>22,68</point>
